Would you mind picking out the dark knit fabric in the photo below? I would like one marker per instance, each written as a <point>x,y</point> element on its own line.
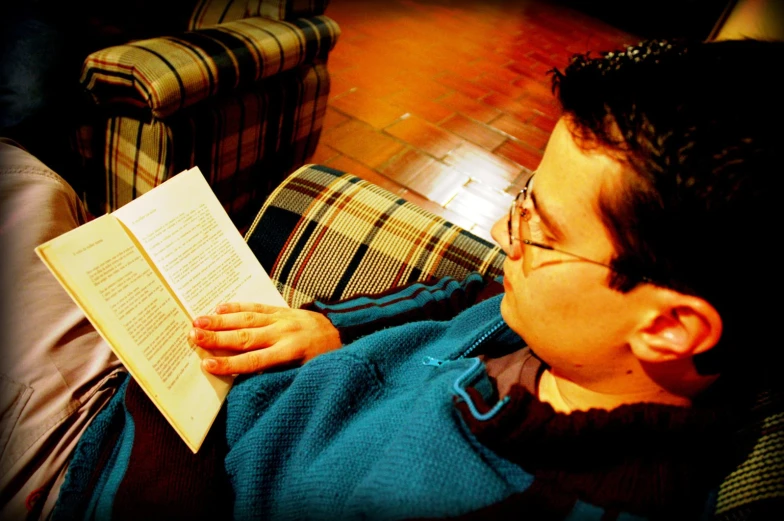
<point>165,480</point>
<point>655,461</point>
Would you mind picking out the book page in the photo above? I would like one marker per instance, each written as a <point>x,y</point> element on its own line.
<point>195,246</point>
<point>120,293</point>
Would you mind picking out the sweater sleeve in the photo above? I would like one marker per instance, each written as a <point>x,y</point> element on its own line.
<point>440,300</point>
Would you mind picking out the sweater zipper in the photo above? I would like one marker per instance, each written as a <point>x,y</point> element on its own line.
<point>458,385</point>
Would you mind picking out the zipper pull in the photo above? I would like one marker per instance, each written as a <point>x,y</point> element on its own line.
<point>435,362</point>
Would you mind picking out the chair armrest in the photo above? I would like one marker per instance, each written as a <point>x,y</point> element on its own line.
<point>328,235</point>
<point>166,74</point>
<point>208,13</point>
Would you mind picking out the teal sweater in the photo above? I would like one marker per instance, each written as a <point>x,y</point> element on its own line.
<point>403,422</point>
<point>371,430</point>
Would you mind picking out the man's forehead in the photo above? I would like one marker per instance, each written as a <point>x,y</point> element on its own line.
<point>571,177</point>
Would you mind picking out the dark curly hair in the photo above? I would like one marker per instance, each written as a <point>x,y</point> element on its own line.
<point>700,124</point>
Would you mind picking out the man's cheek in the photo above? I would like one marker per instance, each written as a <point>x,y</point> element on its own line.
<point>513,313</point>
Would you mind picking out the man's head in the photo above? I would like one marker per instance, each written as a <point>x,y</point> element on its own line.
<point>664,168</point>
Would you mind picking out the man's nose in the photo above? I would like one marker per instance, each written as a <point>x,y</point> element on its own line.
<point>500,234</point>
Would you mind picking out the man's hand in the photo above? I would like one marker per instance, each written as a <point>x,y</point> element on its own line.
<point>262,336</point>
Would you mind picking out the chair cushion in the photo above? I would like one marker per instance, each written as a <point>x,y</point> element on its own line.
<point>161,76</point>
<point>327,235</point>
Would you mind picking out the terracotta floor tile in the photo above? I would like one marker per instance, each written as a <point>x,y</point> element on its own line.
<point>405,166</point>
<point>367,108</point>
<point>438,182</point>
<point>463,86</point>
<point>475,207</point>
<point>469,72</point>
<point>473,131</point>
<point>505,104</point>
<point>428,110</point>
<point>523,132</point>
<point>346,164</point>
<point>545,123</point>
<point>541,88</point>
<point>492,58</point>
<point>340,61</point>
<point>333,118</point>
<point>425,136</point>
<point>537,41</point>
<point>548,60</point>
<point>500,85</point>
<point>483,233</point>
<point>546,107</point>
<point>499,199</point>
<point>473,77</point>
<point>522,65</point>
<point>482,165</point>
<point>423,202</point>
<point>373,85</point>
<point>420,86</point>
<point>323,154</point>
<point>381,68</point>
<point>518,54</point>
<point>362,142</point>
<point>339,85</point>
<point>469,107</point>
<point>520,154</point>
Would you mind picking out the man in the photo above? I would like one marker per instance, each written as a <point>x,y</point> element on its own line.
<point>628,278</point>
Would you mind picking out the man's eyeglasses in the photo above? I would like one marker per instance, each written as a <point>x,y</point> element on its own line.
<point>520,232</point>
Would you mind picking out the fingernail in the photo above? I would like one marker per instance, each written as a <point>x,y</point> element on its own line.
<point>220,308</point>
<point>197,334</point>
<point>201,322</point>
<point>209,363</point>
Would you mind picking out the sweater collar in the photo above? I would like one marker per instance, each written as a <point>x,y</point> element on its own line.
<point>642,458</point>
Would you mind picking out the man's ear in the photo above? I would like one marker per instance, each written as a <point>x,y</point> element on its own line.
<point>679,326</point>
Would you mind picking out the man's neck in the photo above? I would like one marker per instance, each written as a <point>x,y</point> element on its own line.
<point>566,396</point>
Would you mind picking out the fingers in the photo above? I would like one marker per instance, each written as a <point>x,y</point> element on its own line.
<point>242,339</point>
<point>262,336</point>
<point>246,363</point>
<point>233,320</point>
<point>236,307</point>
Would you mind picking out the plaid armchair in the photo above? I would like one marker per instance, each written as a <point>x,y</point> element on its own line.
<point>328,235</point>
<point>241,93</point>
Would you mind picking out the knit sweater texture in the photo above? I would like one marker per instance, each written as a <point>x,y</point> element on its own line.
<point>370,430</point>
<point>405,423</point>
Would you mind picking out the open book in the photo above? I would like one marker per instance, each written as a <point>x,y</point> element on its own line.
<point>143,273</point>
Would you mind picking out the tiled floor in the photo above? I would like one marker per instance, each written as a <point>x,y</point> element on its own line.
<point>447,102</point>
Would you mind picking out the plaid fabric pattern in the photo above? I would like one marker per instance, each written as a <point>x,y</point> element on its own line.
<point>327,235</point>
<point>165,75</point>
<point>244,144</point>
<point>208,13</point>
